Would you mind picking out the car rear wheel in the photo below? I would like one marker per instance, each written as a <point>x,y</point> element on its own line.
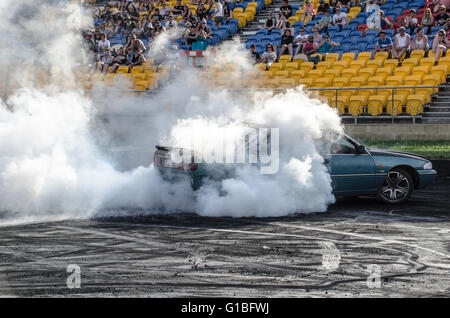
<point>396,188</point>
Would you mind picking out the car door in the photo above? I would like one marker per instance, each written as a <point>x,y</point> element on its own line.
<point>351,172</point>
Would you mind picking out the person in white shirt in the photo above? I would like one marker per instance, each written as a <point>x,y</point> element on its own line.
<point>218,14</point>
<point>103,45</point>
<point>401,43</point>
<point>372,6</point>
<point>339,18</point>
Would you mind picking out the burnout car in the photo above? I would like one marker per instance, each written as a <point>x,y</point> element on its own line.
<point>354,169</point>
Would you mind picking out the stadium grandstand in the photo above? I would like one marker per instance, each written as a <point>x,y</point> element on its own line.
<point>369,59</point>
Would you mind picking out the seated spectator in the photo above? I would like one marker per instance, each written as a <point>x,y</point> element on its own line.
<point>157,16</point>
<point>254,55</point>
<point>218,13</point>
<point>333,5</point>
<point>447,27</point>
<point>283,23</point>
<point>410,22</point>
<point>317,37</point>
<point>103,62</point>
<point>432,5</point>
<point>137,59</point>
<point>170,23</point>
<point>191,34</point>
<point>178,8</point>
<point>401,43</point>
<point>377,21</point>
<point>203,26</point>
<point>324,22</point>
<point>285,10</point>
<point>309,12</point>
<point>300,40</point>
<point>227,13</point>
<point>441,17</point>
<point>323,7</point>
<point>187,13</point>
<point>346,3</point>
<point>202,12</point>
<point>127,26</point>
<point>326,45</point>
<point>270,23</point>
<point>165,10</point>
<point>427,20</point>
<point>89,43</point>
<point>384,44</point>
<point>138,30</point>
<point>200,43</point>
<point>286,42</point>
<point>158,28</point>
<point>420,41</point>
<point>119,59</point>
<point>440,45</point>
<point>133,14</point>
<point>269,56</point>
<point>103,45</point>
<point>339,18</point>
<point>309,48</point>
<point>133,45</point>
<point>372,6</point>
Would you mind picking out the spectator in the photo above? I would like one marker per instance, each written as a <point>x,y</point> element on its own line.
<point>377,21</point>
<point>187,14</point>
<point>178,8</point>
<point>254,55</point>
<point>270,23</point>
<point>191,34</point>
<point>346,3</point>
<point>89,43</point>
<point>323,7</point>
<point>420,41</point>
<point>269,56</point>
<point>384,44</point>
<point>227,13</point>
<point>119,59</point>
<point>202,12</point>
<point>133,45</point>
<point>333,5</point>
<point>285,10</point>
<point>317,37</point>
<point>286,42</point>
<point>136,59</point>
<point>427,20</point>
<point>432,5</point>
<point>447,27</point>
<point>410,21</point>
<point>300,40</point>
<point>372,6</point>
<point>401,43</point>
<point>441,17</point>
<point>171,23</point>
<point>127,26</point>
<point>203,26</point>
<point>157,16</point>
<point>440,45</point>
<point>283,23</point>
<point>326,45</point>
<point>138,30</point>
<point>309,11</point>
<point>201,43</point>
<point>325,21</point>
<point>339,18</point>
<point>158,28</point>
<point>103,45</point>
<point>309,48</point>
<point>103,62</point>
<point>218,14</point>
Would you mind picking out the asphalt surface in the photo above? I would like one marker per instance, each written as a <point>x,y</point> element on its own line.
<point>359,247</point>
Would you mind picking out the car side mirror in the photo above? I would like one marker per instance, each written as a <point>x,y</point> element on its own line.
<point>360,148</point>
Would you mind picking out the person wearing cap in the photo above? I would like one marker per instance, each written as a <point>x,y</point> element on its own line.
<point>384,44</point>
<point>401,43</point>
<point>309,12</point>
<point>300,40</point>
<point>440,45</point>
<point>324,22</point>
<point>254,55</point>
<point>326,45</point>
<point>323,7</point>
<point>441,17</point>
<point>410,21</point>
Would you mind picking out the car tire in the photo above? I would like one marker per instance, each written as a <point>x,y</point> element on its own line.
<point>396,188</point>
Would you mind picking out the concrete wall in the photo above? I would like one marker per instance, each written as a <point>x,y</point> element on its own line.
<point>399,131</point>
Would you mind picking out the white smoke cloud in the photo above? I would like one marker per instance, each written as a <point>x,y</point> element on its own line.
<point>51,164</point>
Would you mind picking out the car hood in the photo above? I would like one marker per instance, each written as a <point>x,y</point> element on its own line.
<point>386,152</point>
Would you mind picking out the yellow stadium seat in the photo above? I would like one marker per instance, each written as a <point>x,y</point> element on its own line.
<point>283,74</point>
<point>307,82</point>
<point>414,104</point>
<point>427,61</point>
<point>393,62</point>
<point>261,66</point>
<point>375,104</point>
<point>332,57</point>
<point>366,90</point>
<point>340,103</point>
<point>411,61</point>
<point>284,59</point>
<point>440,70</point>
<point>276,66</point>
<point>325,65</point>
<point>287,83</point>
<point>307,66</point>
<point>394,106</point>
<point>298,73</point>
<point>358,63</point>
<point>356,104</point>
<point>291,66</point>
<point>403,70</point>
<point>334,72</point>
<point>341,81</point>
<point>323,82</point>
<point>381,56</point>
<point>445,60</point>
<point>367,72</point>
<point>137,69</point>
<point>316,73</point>
<point>427,92</point>
<point>421,70</point>
<point>413,80</point>
<point>348,56</point>
<point>140,76</point>
<point>384,71</point>
<point>358,81</point>
<point>364,56</point>
<point>122,69</point>
<point>382,90</point>
<point>417,53</point>
<point>375,81</point>
<point>394,80</point>
<point>349,72</point>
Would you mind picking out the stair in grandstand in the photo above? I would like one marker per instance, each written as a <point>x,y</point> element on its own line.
<point>261,16</point>
<point>439,109</point>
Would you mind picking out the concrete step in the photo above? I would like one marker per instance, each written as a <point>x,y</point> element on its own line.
<point>436,114</point>
<point>436,120</point>
<point>433,108</point>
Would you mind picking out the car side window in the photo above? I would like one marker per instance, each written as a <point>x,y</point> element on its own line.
<point>343,146</point>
